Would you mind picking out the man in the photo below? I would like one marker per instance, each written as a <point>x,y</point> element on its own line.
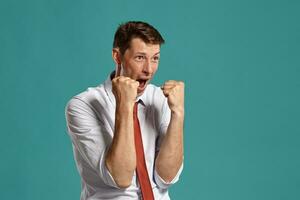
<point>127,134</point>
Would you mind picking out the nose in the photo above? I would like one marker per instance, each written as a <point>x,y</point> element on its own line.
<point>147,68</point>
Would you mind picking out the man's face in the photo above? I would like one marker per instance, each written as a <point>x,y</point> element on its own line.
<point>140,62</point>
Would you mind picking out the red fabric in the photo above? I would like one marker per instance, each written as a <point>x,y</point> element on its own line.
<point>141,168</point>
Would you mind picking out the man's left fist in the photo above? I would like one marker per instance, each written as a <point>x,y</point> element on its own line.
<point>174,91</point>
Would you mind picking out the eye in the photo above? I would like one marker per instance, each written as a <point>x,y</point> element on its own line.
<point>140,58</point>
<point>155,58</point>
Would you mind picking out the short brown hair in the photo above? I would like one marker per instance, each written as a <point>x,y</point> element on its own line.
<point>135,29</point>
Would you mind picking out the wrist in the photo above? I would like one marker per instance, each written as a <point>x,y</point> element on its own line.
<point>124,106</point>
<point>179,112</point>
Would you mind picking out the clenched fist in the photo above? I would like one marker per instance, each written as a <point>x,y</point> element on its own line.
<point>124,89</point>
<point>174,91</point>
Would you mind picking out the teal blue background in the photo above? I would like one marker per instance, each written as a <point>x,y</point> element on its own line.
<point>239,60</point>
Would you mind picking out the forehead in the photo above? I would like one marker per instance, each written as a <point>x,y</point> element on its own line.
<point>138,45</point>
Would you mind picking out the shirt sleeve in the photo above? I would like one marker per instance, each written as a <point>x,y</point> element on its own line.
<point>89,136</point>
<point>164,121</point>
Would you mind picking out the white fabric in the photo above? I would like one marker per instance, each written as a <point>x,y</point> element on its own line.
<point>90,121</point>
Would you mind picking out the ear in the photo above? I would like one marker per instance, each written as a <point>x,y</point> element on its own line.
<point>116,55</point>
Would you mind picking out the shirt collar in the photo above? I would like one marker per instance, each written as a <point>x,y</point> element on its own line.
<point>108,88</point>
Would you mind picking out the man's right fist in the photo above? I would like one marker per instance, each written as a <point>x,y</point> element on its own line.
<point>124,89</point>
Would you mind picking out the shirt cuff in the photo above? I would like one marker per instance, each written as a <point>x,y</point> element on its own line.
<point>161,183</point>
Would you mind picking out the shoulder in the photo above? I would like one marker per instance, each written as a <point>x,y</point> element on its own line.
<point>87,98</point>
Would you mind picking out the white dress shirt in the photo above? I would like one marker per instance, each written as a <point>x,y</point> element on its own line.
<point>90,119</point>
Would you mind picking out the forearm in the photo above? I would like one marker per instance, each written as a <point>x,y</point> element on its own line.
<point>121,157</point>
<point>170,156</point>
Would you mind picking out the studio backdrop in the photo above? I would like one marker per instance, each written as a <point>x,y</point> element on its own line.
<point>239,60</point>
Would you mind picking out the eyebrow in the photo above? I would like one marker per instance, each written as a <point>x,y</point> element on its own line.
<point>146,54</point>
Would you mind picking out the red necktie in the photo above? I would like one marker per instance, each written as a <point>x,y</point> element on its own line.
<point>141,168</point>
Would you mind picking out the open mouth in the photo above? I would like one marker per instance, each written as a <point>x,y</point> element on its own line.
<point>142,83</point>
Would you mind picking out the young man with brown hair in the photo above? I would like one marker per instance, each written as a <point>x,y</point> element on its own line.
<point>127,134</point>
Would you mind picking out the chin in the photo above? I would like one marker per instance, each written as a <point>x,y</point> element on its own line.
<point>140,92</point>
